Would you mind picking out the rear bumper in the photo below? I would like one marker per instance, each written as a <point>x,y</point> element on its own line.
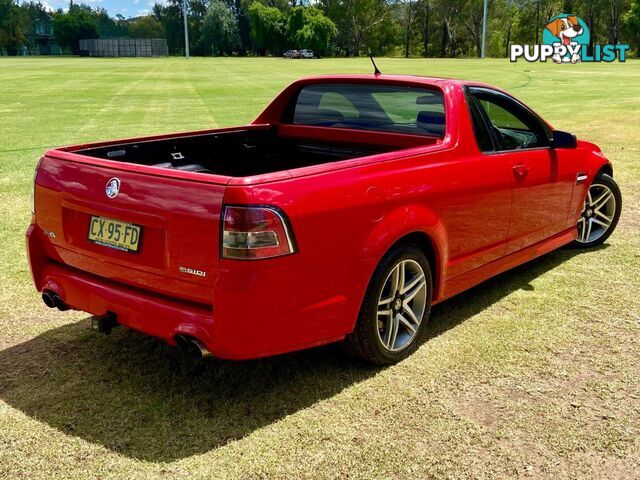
<point>137,309</point>
<point>142,311</point>
<point>247,321</point>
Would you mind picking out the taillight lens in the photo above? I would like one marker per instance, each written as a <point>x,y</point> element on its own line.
<point>251,233</point>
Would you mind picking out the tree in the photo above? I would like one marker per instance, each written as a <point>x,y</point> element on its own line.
<point>384,38</point>
<point>108,27</point>
<point>408,28</point>
<point>296,20</point>
<point>591,14</point>
<point>12,35</point>
<point>632,23</point>
<point>267,28</point>
<point>363,25</point>
<point>146,27</point>
<point>423,17</point>
<point>197,9</point>
<point>500,30</point>
<point>170,16</point>
<point>76,24</point>
<point>307,27</point>
<point>447,28</point>
<point>615,8</point>
<point>472,18</point>
<point>244,27</point>
<point>281,5</point>
<point>220,29</point>
<point>449,12</point>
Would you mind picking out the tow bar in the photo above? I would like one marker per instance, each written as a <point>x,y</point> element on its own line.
<point>104,323</point>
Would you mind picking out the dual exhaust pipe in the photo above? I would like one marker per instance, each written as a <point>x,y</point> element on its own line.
<point>105,323</point>
<point>102,323</point>
<point>52,300</point>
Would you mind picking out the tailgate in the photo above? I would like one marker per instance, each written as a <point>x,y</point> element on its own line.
<point>157,233</point>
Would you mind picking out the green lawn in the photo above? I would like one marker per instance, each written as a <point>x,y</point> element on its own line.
<point>534,373</point>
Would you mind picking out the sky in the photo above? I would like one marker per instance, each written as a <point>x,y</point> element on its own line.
<point>126,8</point>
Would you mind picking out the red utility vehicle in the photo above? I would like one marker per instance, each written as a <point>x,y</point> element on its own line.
<point>343,212</point>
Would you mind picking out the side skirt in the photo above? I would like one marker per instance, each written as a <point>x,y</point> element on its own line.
<point>478,275</point>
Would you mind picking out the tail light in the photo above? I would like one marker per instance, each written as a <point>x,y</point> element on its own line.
<point>252,233</point>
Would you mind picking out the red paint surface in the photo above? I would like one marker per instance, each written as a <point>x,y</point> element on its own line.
<point>480,214</point>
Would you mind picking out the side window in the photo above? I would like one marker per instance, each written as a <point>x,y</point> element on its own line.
<point>483,137</point>
<point>500,117</point>
<point>512,126</point>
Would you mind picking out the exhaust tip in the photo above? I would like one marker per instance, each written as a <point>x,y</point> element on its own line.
<point>59,303</point>
<point>47,298</point>
<point>192,347</point>
<point>52,300</point>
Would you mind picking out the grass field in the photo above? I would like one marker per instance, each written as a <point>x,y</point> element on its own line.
<point>534,373</point>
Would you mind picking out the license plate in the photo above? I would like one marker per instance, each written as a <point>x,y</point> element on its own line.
<point>110,233</point>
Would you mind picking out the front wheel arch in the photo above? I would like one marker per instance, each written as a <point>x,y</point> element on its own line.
<point>593,216</point>
<point>607,169</point>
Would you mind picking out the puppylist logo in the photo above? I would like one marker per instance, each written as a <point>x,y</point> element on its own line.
<point>565,40</point>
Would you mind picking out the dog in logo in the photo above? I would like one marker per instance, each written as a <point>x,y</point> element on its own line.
<point>565,29</point>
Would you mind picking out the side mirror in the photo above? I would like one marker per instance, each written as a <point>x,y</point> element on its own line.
<point>560,139</point>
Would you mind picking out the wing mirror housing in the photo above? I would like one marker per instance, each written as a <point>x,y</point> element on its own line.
<point>560,139</point>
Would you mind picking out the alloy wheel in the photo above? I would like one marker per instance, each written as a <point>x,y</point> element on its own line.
<point>401,305</point>
<point>597,214</point>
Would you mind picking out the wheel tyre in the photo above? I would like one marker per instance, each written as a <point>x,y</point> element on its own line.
<point>365,342</point>
<point>606,180</point>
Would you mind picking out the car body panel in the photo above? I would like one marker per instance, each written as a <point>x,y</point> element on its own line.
<point>477,217</point>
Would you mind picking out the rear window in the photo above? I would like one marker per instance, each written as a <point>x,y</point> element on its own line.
<point>386,108</point>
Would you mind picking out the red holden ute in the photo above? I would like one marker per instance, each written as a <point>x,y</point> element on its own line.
<point>342,213</point>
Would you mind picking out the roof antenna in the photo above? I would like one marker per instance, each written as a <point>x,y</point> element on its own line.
<point>375,67</point>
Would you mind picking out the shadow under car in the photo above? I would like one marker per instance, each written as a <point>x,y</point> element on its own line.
<point>146,400</point>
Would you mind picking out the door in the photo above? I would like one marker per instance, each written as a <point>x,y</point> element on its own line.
<point>542,177</point>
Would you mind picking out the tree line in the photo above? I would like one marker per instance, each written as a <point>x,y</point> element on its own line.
<point>428,28</point>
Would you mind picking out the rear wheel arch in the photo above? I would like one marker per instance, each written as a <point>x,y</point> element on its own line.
<point>408,223</point>
<point>389,306</point>
<point>425,243</point>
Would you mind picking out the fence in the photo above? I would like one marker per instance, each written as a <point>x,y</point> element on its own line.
<point>124,47</point>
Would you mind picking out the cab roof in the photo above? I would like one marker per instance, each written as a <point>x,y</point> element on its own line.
<point>410,79</point>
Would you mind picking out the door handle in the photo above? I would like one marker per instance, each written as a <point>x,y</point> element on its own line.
<point>520,171</point>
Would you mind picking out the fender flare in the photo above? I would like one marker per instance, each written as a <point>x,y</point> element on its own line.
<point>405,221</point>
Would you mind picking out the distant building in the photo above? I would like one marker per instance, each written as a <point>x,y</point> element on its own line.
<point>124,47</point>
<point>41,40</point>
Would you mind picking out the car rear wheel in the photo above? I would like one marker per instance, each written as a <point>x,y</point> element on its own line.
<point>395,309</point>
<point>600,212</point>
